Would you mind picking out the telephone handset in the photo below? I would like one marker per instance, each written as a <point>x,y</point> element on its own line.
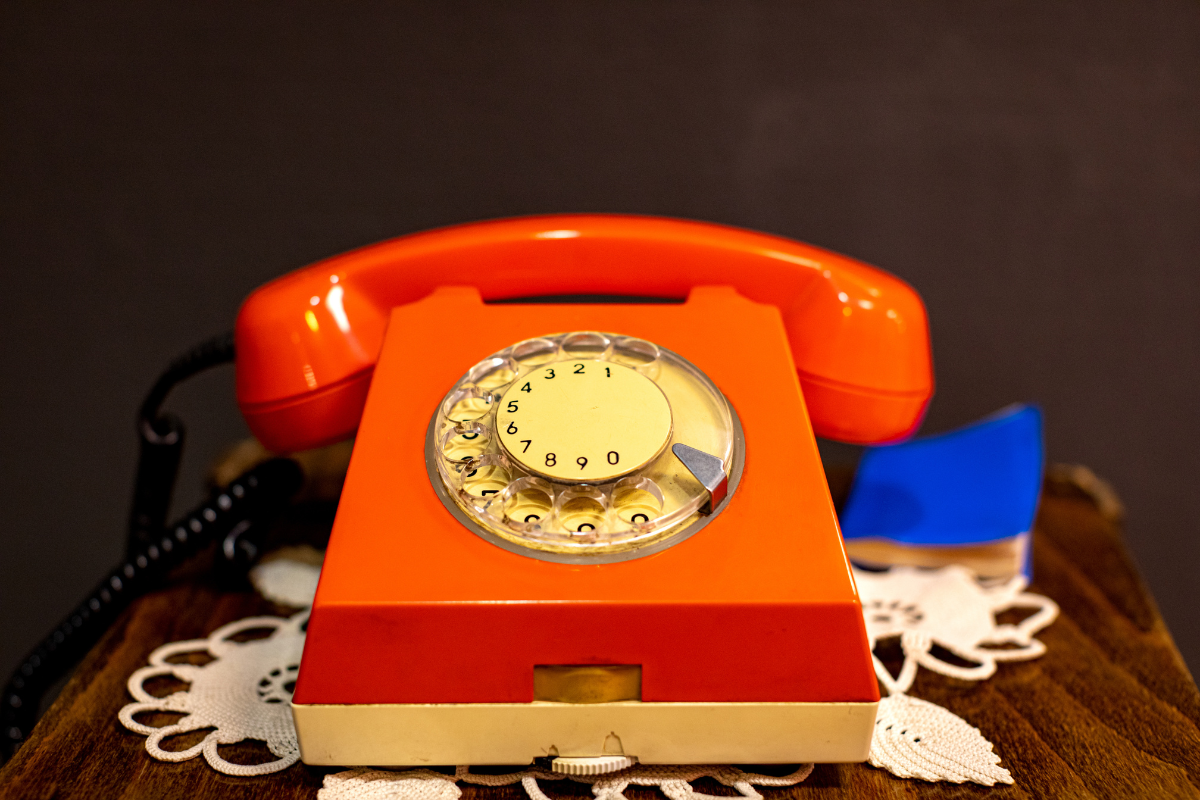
<point>308,342</point>
<point>580,496</point>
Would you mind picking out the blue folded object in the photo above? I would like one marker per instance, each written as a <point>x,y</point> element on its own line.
<point>973,491</point>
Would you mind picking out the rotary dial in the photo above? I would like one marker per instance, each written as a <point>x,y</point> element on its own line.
<point>584,446</point>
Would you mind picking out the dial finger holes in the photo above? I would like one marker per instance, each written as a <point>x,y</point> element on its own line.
<point>637,501</point>
<point>492,373</point>
<point>467,405</point>
<point>534,352</point>
<point>485,478</point>
<point>465,440</point>
<point>585,344</point>
<point>634,352</point>
<point>581,511</point>
<point>527,502</point>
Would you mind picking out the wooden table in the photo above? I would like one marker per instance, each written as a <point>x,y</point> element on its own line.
<point>1109,711</point>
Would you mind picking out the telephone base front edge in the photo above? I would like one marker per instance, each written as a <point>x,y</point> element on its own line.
<point>408,735</point>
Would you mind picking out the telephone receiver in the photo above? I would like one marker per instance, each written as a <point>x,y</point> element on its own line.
<point>307,343</point>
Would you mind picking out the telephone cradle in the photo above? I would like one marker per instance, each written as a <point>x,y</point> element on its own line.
<point>593,532</point>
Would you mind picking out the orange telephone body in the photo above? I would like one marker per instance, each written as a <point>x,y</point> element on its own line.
<point>417,614</point>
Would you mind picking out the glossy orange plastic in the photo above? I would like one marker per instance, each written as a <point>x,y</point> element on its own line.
<point>307,343</point>
<point>759,606</point>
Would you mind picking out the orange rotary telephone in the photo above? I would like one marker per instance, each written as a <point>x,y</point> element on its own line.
<point>593,533</point>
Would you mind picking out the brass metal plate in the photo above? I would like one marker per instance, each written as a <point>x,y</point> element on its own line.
<point>587,683</point>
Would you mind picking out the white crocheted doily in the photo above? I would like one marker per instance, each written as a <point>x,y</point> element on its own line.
<point>947,607</point>
<point>244,691</point>
<point>423,784</point>
<point>287,581</point>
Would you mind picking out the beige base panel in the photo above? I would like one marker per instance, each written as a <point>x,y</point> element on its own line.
<point>516,733</point>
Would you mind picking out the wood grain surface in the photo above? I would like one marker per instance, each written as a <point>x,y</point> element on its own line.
<point>1109,711</point>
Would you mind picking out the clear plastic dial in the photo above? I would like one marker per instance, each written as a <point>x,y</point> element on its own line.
<point>562,445</point>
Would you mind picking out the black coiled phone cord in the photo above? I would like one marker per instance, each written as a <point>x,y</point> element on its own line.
<point>160,438</point>
<point>153,550</point>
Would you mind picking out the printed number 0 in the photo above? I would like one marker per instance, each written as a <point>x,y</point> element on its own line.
<point>613,457</point>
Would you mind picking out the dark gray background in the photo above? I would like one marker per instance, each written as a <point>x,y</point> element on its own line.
<point>1032,169</point>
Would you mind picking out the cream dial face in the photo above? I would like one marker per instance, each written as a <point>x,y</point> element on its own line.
<point>583,421</point>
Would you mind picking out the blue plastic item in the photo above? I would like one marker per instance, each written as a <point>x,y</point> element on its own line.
<point>974,485</point>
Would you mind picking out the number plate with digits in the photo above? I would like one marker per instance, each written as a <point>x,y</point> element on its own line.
<point>583,421</point>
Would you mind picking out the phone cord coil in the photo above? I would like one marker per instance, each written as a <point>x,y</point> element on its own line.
<point>160,440</point>
<point>259,492</point>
